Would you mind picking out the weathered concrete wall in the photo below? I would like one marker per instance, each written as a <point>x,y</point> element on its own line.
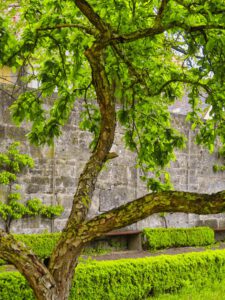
<point>57,169</point>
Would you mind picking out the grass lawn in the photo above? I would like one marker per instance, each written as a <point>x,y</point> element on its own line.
<point>214,292</point>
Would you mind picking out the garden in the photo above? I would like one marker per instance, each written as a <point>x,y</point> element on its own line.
<point>107,77</point>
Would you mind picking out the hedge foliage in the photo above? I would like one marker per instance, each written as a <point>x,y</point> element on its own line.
<point>160,238</point>
<point>41,244</point>
<point>131,279</point>
<point>13,286</point>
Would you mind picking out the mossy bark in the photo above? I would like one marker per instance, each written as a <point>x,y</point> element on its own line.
<point>64,258</point>
<point>138,209</point>
<point>38,276</point>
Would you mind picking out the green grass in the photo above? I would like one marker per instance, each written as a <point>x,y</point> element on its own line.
<point>213,292</point>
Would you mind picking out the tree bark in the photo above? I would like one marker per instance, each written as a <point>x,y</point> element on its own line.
<point>171,201</point>
<point>38,276</point>
<point>64,258</point>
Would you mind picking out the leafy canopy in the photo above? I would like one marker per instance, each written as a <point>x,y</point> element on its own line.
<point>158,52</point>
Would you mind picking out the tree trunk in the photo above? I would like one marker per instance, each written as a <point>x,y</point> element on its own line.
<point>64,258</point>
<point>36,273</point>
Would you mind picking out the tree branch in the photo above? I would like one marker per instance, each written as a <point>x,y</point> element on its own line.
<point>182,51</point>
<point>152,31</point>
<point>137,73</point>
<point>202,27</point>
<point>7,93</point>
<point>161,11</point>
<point>28,264</point>
<point>111,155</point>
<point>92,16</point>
<point>202,12</point>
<point>204,86</point>
<point>170,201</point>
<point>88,30</point>
<point>139,34</point>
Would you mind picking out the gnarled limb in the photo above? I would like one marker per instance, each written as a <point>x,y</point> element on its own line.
<point>36,273</point>
<point>155,30</point>
<point>171,201</point>
<point>92,16</point>
<point>86,29</point>
<point>64,258</point>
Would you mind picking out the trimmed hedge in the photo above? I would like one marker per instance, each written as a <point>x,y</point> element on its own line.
<point>157,238</point>
<point>160,238</point>
<point>131,279</point>
<point>13,286</point>
<point>42,244</point>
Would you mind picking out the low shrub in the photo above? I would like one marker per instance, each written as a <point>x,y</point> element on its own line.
<point>160,238</point>
<point>157,238</point>
<point>14,286</point>
<point>131,279</point>
<point>41,244</point>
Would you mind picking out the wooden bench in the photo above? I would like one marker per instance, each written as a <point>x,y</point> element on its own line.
<point>219,233</point>
<point>134,240</point>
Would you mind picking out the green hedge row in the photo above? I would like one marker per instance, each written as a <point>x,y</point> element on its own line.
<point>160,238</point>
<point>157,238</point>
<point>131,279</point>
<point>41,244</point>
<point>13,286</point>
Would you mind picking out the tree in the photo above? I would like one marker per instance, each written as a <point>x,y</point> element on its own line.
<point>128,60</point>
<point>12,162</point>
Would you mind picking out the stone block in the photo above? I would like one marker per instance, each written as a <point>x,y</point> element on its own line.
<point>176,220</point>
<point>212,223</point>
<point>41,180</point>
<point>31,222</point>
<point>65,200</point>
<point>15,133</point>
<point>59,224</point>
<point>153,221</point>
<point>32,188</point>
<point>193,219</point>
<point>65,181</point>
<point>113,198</point>
<point>221,223</point>
<point>176,180</point>
<point>200,223</point>
<point>178,172</point>
<point>193,187</point>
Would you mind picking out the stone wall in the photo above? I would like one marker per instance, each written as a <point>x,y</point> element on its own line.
<point>57,169</point>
